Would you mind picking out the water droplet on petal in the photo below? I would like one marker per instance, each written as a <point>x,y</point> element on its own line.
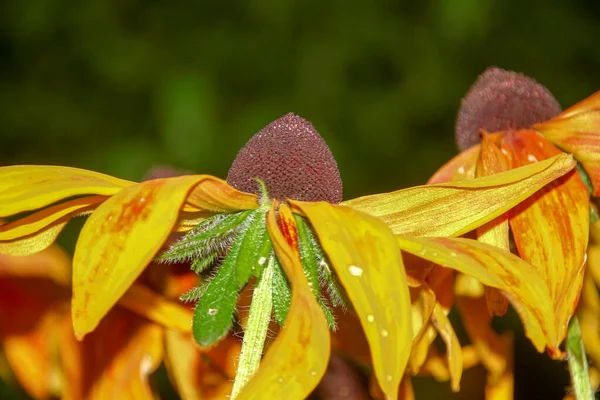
<point>370,318</point>
<point>532,158</point>
<point>453,254</point>
<point>262,261</point>
<point>313,373</point>
<point>280,379</point>
<point>310,284</point>
<point>384,333</point>
<point>142,200</point>
<point>213,311</point>
<point>389,378</point>
<point>355,271</point>
<point>461,170</point>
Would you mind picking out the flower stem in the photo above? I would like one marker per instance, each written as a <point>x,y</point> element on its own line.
<point>256,329</point>
<point>578,366</point>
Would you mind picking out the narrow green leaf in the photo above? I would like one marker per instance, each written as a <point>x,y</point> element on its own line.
<point>578,366</point>
<point>309,249</point>
<point>281,292</point>
<point>214,313</point>
<point>256,248</point>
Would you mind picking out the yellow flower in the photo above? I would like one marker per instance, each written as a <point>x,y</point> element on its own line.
<point>128,223</point>
<point>550,229</point>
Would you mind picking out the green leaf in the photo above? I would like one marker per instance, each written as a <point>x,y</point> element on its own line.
<point>309,249</point>
<point>214,313</point>
<point>578,366</point>
<point>281,292</point>
<point>255,249</point>
<point>193,295</point>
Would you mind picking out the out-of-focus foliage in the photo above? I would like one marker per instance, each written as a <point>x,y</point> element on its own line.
<point>121,85</point>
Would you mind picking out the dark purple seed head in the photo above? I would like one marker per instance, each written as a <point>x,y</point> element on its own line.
<point>502,100</point>
<point>292,159</point>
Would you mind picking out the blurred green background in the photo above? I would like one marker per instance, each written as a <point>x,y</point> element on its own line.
<point>120,86</point>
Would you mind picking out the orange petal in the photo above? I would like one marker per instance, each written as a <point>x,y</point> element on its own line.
<point>52,263</point>
<point>297,359</point>
<point>522,284</point>
<point>37,231</point>
<point>29,328</point>
<point>452,209</point>
<point>496,232</point>
<point>368,264</point>
<point>118,357</point>
<point>459,168</point>
<point>195,374</point>
<point>502,387</point>
<point>478,324</point>
<point>551,228</point>
<point>145,302</point>
<point>29,187</point>
<point>453,349</point>
<point>119,239</point>
<point>577,131</point>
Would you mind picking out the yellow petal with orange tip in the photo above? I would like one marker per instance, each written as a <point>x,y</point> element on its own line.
<point>121,237</point>
<point>453,349</point>
<point>369,267</point>
<point>523,285</point>
<point>196,374</point>
<point>551,228</point>
<point>29,187</point>
<point>493,161</point>
<point>39,230</point>
<point>297,359</point>
<point>147,303</point>
<point>577,131</point>
<point>215,194</point>
<point>459,168</point>
<point>452,209</point>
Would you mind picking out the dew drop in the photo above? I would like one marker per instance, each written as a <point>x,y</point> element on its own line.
<point>142,200</point>
<point>310,284</point>
<point>262,261</point>
<point>280,379</point>
<point>355,271</point>
<point>370,318</point>
<point>384,333</point>
<point>213,311</point>
<point>461,170</point>
<point>531,158</point>
<point>453,254</point>
<point>313,373</point>
<point>389,378</point>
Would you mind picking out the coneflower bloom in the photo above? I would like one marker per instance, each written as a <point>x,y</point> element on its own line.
<point>290,235</point>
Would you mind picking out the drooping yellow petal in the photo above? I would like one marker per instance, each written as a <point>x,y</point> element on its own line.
<point>493,161</point>
<point>459,168</point>
<point>422,305</point>
<point>369,266</point>
<point>153,306</point>
<point>199,375</point>
<point>39,230</point>
<point>453,349</point>
<point>29,187</point>
<point>119,239</point>
<point>589,319</point>
<point>296,361</point>
<point>436,364</point>
<point>524,286</point>
<point>452,209</point>
<point>577,130</point>
<point>551,228</point>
